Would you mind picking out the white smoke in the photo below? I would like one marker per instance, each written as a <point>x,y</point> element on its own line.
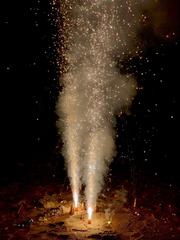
<point>96,33</point>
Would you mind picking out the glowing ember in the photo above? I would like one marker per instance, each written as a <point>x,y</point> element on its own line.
<point>135,202</point>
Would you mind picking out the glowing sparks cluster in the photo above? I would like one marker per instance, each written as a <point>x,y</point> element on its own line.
<point>95,34</point>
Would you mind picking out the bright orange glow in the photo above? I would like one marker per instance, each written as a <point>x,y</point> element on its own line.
<point>76,200</point>
<point>90,212</point>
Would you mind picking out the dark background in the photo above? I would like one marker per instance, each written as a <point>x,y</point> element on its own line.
<point>147,141</point>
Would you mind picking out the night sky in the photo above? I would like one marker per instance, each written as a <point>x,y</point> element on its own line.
<point>147,141</point>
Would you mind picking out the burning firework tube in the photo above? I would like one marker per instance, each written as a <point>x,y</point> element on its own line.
<point>90,211</point>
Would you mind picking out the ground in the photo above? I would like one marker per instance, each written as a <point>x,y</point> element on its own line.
<point>44,211</point>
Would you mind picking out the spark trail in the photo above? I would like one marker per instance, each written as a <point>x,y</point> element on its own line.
<point>96,33</point>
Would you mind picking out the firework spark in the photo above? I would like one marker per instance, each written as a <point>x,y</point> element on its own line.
<point>90,212</point>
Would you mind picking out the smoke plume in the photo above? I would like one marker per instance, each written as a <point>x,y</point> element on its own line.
<point>95,34</point>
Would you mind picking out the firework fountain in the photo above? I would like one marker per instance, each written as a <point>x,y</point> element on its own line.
<point>96,34</point>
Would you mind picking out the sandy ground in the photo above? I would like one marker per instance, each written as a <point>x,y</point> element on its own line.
<point>45,212</point>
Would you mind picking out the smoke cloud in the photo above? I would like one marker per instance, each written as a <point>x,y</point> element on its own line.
<point>96,34</point>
